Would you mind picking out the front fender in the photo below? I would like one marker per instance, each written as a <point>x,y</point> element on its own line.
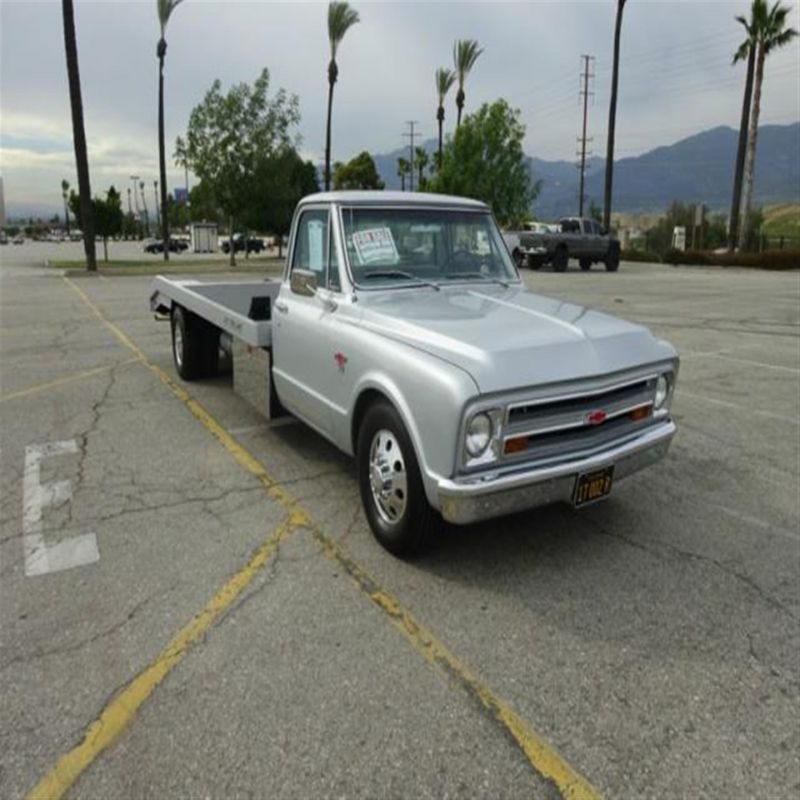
<point>430,396</point>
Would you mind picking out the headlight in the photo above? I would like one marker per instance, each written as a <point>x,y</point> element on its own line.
<point>662,391</point>
<point>479,434</point>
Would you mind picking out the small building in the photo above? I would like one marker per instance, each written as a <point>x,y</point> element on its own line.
<point>203,237</point>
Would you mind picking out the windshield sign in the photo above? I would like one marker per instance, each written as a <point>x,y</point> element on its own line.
<point>388,247</point>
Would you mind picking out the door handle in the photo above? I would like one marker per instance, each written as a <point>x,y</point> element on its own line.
<point>282,306</point>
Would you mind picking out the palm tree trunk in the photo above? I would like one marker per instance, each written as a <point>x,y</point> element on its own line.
<point>460,97</point>
<point>162,159</point>
<point>328,138</point>
<point>440,118</point>
<point>79,135</point>
<point>733,227</point>
<point>750,158</point>
<point>232,259</point>
<point>612,120</point>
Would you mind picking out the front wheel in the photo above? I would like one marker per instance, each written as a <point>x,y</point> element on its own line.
<point>612,260</point>
<point>390,483</point>
<point>561,260</point>
<point>519,259</point>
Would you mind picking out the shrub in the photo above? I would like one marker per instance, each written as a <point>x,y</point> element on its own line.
<point>641,256</point>
<point>773,259</point>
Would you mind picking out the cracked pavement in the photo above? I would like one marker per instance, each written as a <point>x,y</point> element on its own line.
<point>652,639</point>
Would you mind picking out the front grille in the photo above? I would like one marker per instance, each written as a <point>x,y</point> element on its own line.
<point>560,427</point>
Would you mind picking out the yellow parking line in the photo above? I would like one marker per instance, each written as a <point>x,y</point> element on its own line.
<point>120,712</point>
<point>78,376</point>
<point>546,760</point>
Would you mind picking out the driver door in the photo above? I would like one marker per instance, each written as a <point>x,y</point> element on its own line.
<point>301,324</point>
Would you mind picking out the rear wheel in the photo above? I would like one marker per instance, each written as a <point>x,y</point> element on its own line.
<point>612,260</point>
<point>586,264</point>
<point>390,483</point>
<point>195,345</point>
<point>561,259</point>
<point>519,259</point>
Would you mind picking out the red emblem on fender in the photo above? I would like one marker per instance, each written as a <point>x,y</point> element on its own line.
<point>340,359</point>
<point>596,417</point>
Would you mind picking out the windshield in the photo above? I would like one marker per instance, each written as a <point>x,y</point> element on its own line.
<point>398,246</point>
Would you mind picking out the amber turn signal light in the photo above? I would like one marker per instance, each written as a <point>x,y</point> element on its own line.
<point>516,445</point>
<point>643,412</point>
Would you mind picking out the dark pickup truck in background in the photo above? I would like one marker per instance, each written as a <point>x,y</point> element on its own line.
<point>254,244</point>
<point>573,237</point>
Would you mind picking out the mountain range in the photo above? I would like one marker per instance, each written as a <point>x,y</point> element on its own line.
<point>696,169</point>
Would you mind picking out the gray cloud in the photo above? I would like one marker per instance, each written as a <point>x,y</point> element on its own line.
<point>676,76</point>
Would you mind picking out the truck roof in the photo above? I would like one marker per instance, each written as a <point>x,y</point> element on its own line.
<point>383,198</point>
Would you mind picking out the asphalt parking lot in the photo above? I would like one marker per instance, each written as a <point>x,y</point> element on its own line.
<point>214,618</point>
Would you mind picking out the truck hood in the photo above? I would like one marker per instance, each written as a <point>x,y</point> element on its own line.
<point>510,338</point>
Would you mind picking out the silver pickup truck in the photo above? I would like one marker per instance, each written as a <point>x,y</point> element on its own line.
<point>401,331</point>
<point>572,237</point>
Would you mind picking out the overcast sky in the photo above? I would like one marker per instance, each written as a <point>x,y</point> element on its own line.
<point>676,76</point>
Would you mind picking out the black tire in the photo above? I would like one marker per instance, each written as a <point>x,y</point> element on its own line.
<point>195,345</point>
<point>612,260</point>
<point>534,262</point>
<point>561,259</point>
<point>586,264</point>
<point>519,259</point>
<point>415,526</point>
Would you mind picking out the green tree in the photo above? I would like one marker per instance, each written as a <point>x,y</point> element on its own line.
<point>612,119</point>
<point>403,170</point>
<point>445,78</point>
<point>79,132</point>
<point>465,54</point>
<point>770,33</point>
<point>282,181</point>
<point>229,134</point>
<point>747,49</point>
<point>108,217</point>
<point>358,173</point>
<point>165,9</point>
<point>485,161</point>
<point>340,19</point>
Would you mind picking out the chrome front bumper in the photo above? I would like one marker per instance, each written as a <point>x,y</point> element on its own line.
<point>473,498</point>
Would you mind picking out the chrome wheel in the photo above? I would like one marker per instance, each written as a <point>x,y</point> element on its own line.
<point>387,476</point>
<point>177,341</point>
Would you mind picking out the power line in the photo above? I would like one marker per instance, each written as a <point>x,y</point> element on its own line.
<point>588,62</point>
<point>410,136</point>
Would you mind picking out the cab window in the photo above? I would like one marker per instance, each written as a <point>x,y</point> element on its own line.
<point>314,248</point>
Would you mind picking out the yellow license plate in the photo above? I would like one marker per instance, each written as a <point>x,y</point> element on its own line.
<point>593,486</point>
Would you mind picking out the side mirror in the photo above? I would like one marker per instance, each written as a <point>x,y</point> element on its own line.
<point>304,282</point>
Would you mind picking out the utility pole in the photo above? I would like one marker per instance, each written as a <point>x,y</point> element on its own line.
<point>155,194</point>
<point>586,75</point>
<point>410,136</point>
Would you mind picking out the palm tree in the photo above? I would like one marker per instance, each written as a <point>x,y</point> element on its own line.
<point>340,19</point>
<point>79,134</point>
<point>465,54</point>
<point>770,33</point>
<point>403,169</point>
<point>612,119</point>
<point>445,78</point>
<point>64,193</point>
<point>747,50</point>
<point>165,9</point>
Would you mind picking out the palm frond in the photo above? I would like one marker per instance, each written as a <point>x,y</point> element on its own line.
<point>465,54</point>
<point>743,52</point>
<point>445,78</point>
<point>165,9</point>
<point>341,17</point>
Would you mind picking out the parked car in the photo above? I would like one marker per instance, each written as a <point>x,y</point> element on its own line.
<point>254,244</point>
<point>574,237</point>
<point>175,246</point>
<point>18,239</point>
<point>460,393</point>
